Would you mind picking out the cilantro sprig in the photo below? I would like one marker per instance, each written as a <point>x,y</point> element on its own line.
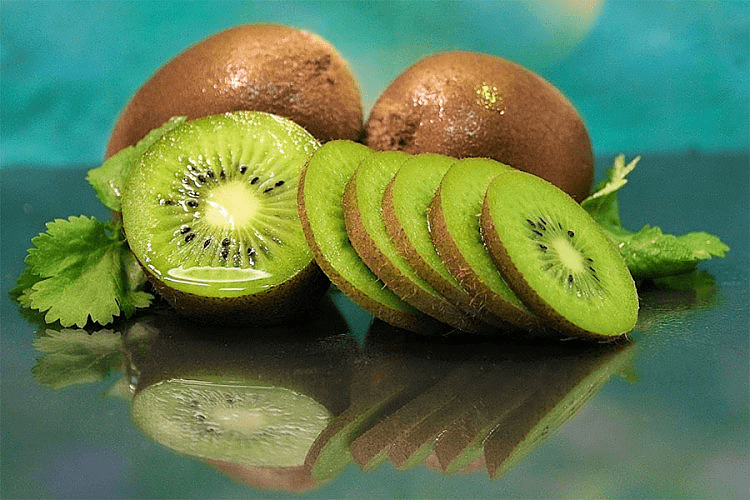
<point>82,270</point>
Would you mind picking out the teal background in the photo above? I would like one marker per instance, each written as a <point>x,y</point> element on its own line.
<point>645,75</point>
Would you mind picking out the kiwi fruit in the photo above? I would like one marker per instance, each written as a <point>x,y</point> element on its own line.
<point>210,213</point>
<point>255,67</point>
<point>320,207</point>
<point>362,202</point>
<point>557,259</point>
<point>405,204</point>
<point>467,104</point>
<point>453,216</point>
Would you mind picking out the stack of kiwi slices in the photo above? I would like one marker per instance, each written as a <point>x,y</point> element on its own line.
<point>436,245</point>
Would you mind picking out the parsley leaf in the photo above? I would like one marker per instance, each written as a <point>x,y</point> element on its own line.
<point>81,269</point>
<point>108,179</point>
<point>648,253</point>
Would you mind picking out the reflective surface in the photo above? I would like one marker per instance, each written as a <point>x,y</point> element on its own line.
<point>665,415</point>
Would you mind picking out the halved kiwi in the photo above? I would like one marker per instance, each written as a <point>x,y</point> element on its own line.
<point>210,213</point>
<point>557,259</point>
<point>319,200</point>
<point>405,204</point>
<point>363,200</point>
<point>453,216</point>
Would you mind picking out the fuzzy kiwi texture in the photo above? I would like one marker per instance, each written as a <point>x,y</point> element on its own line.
<point>263,67</point>
<point>210,213</point>
<point>467,104</point>
<point>557,259</point>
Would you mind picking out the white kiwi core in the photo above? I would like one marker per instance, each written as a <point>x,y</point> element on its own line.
<point>231,205</point>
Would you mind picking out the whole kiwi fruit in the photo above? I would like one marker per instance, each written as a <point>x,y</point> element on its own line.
<point>260,67</point>
<point>467,104</point>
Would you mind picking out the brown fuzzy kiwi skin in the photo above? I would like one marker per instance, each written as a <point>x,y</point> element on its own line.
<point>264,67</point>
<point>468,104</point>
<point>455,295</point>
<point>438,308</point>
<point>285,302</point>
<point>491,310</point>
<point>528,296</point>
<point>413,322</point>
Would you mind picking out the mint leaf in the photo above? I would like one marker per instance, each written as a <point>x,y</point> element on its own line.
<point>648,253</point>
<point>108,179</point>
<point>81,269</point>
<point>74,356</point>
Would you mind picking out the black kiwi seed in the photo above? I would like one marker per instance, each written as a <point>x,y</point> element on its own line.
<point>225,242</point>
<point>206,243</point>
<point>279,183</point>
<point>184,229</point>
<point>267,190</point>
<point>193,194</point>
<point>570,233</point>
<point>190,237</point>
<point>201,178</point>
<point>255,180</point>
<point>192,204</point>
<point>243,169</point>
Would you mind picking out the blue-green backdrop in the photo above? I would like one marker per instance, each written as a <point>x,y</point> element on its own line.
<point>645,75</point>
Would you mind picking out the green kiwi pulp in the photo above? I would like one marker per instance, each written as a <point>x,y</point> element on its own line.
<point>210,213</point>
<point>363,200</point>
<point>453,216</point>
<point>250,422</point>
<point>405,204</point>
<point>320,206</point>
<point>557,259</point>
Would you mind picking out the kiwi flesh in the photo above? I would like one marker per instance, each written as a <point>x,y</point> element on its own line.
<point>210,213</point>
<point>320,207</point>
<point>362,201</point>
<point>405,205</point>
<point>453,216</point>
<point>557,259</point>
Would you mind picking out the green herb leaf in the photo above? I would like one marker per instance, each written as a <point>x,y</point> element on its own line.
<point>81,269</point>
<point>74,356</point>
<point>649,253</point>
<point>108,179</point>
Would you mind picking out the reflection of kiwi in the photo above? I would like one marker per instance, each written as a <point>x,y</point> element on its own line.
<point>405,205</point>
<point>257,397</point>
<point>320,206</point>
<point>210,213</point>
<point>363,200</point>
<point>454,226</point>
<point>556,258</point>
<point>567,382</point>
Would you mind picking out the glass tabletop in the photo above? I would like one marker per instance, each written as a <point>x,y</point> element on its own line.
<point>357,409</point>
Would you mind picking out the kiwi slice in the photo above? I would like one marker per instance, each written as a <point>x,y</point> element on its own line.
<point>557,259</point>
<point>319,200</point>
<point>405,204</point>
<point>453,216</point>
<point>247,422</point>
<point>363,200</point>
<point>210,213</point>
